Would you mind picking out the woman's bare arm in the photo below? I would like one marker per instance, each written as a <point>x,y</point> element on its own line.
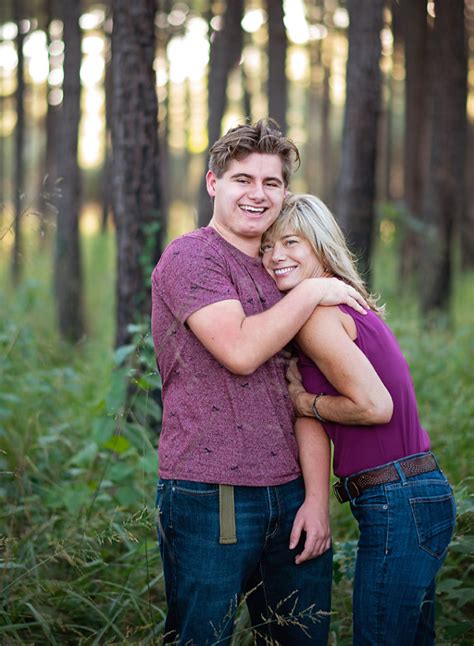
<point>363,397</point>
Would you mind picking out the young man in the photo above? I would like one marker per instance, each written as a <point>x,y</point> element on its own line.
<point>233,518</point>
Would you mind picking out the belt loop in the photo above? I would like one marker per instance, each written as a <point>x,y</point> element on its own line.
<point>345,484</point>
<point>227,515</point>
<point>435,459</point>
<point>400,472</point>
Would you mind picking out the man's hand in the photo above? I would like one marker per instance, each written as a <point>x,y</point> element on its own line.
<point>337,292</point>
<point>300,398</point>
<point>314,520</point>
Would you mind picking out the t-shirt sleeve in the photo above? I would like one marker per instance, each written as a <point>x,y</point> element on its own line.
<point>192,274</point>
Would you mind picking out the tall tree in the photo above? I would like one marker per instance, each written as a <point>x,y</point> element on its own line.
<point>226,50</point>
<point>136,196</point>
<point>467,222</point>
<point>67,269</point>
<point>107,167</point>
<point>414,28</point>
<point>445,188</point>
<point>49,175</point>
<point>277,79</point>
<point>356,183</point>
<point>19,145</point>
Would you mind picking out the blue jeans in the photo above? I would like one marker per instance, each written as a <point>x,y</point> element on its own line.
<point>206,580</point>
<point>405,529</point>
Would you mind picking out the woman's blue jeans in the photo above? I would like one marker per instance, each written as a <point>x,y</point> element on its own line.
<point>205,580</point>
<point>405,529</point>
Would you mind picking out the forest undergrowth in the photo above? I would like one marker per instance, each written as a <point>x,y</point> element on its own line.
<point>78,434</point>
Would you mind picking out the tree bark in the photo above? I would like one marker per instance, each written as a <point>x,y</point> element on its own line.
<point>413,23</point>
<point>67,269</point>
<point>49,175</point>
<point>17,255</point>
<point>325,154</point>
<point>107,167</point>
<point>136,195</point>
<point>226,50</point>
<point>445,188</point>
<point>467,222</point>
<point>277,79</point>
<point>356,184</point>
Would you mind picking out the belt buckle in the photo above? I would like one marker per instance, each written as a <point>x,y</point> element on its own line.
<point>337,488</point>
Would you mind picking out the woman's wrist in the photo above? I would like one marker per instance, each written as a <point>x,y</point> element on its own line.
<point>303,404</point>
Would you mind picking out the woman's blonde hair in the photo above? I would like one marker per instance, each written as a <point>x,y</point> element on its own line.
<point>308,217</point>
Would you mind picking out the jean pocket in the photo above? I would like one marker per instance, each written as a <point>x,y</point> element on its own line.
<point>160,490</point>
<point>192,488</point>
<point>434,521</point>
<point>371,499</point>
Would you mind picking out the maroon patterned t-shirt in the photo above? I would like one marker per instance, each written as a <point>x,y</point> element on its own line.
<point>218,427</point>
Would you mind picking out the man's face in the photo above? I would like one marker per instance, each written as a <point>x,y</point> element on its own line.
<point>249,195</point>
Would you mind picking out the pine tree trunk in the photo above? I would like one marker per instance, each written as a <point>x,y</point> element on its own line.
<point>226,49</point>
<point>67,269</point>
<point>49,175</point>
<point>17,255</point>
<point>107,167</point>
<point>356,184</point>
<point>136,196</point>
<point>277,79</point>
<point>445,188</point>
<point>467,221</point>
<point>325,154</point>
<point>413,22</point>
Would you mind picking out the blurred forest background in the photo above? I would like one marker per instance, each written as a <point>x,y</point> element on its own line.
<point>106,114</point>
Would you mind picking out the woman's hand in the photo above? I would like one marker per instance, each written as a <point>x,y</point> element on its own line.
<point>300,398</point>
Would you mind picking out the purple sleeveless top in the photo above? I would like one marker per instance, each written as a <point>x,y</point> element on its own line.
<point>364,447</point>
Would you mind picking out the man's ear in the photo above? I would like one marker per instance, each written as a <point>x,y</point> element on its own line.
<point>211,183</point>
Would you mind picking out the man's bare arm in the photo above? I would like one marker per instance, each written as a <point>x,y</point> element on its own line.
<point>313,515</point>
<point>243,343</point>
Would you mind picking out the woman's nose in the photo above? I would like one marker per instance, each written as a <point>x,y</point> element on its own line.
<point>278,252</point>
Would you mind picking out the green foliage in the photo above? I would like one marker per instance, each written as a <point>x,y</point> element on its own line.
<point>77,473</point>
<point>78,435</point>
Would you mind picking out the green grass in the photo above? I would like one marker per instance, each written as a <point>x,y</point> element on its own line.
<point>78,463</point>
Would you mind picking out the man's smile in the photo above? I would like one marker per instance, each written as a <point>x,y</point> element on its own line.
<point>253,209</point>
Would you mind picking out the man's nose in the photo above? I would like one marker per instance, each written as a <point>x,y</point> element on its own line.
<point>257,191</point>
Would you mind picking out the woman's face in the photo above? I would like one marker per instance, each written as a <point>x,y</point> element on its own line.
<point>290,259</point>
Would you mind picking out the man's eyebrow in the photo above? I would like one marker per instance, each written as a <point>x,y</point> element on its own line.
<point>266,179</point>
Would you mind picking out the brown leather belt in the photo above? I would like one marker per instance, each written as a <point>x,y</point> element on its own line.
<point>355,485</point>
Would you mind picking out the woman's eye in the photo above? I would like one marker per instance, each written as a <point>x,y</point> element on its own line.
<point>266,247</point>
<point>291,241</point>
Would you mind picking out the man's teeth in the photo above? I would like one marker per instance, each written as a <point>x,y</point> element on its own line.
<point>284,270</point>
<point>253,209</point>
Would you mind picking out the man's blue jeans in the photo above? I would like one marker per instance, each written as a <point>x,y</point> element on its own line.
<point>405,529</point>
<point>206,580</point>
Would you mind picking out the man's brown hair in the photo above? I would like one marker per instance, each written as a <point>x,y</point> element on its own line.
<point>264,137</point>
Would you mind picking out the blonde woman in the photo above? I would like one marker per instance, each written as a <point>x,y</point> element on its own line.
<point>363,398</point>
